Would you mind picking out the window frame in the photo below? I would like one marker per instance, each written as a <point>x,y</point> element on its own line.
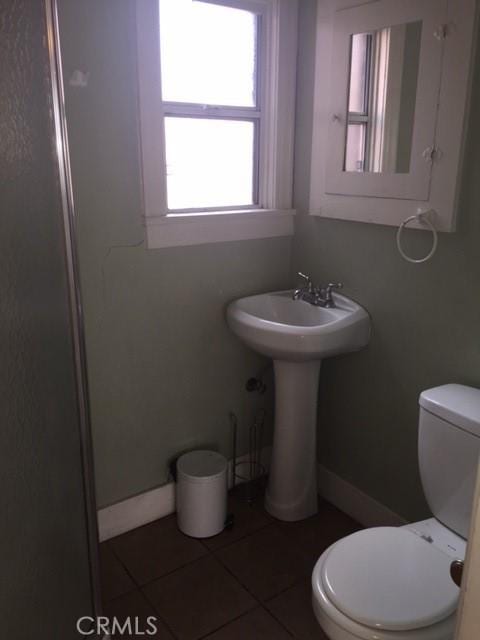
<point>273,215</point>
<point>214,112</point>
<point>362,118</point>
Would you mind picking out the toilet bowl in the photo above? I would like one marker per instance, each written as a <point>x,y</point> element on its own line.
<point>393,583</point>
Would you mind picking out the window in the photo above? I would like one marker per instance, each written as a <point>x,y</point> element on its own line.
<point>216,92</point>
<point>211,104</point>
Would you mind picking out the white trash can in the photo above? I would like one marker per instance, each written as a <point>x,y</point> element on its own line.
<point>201,493</point>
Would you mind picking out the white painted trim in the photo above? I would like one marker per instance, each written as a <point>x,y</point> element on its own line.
<point>150,505</point>
<point>278,94</point>
<point>190,229</point>
<point>358,505</point>
<point>277,104</point>
<point>416,183</point>
<point>136,511</point>
<point>451,118</point>
<point>160,502</point>
<point>150,108</point>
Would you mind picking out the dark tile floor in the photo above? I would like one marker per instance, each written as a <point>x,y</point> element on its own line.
<point>249,583</point>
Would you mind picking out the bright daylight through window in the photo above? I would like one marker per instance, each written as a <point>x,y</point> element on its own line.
<point>217,111</point>
<point>209,90</point>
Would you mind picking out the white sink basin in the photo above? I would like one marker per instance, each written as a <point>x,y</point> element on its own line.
<point>279,327</point>
<point>297,335</point>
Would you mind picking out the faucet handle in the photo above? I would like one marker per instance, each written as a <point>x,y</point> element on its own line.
<point>308,281</point>
<point>329,302</point>
<point>331,286</point>
<point>306,278</point>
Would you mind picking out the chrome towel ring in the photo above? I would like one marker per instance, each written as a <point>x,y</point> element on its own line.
<point>423,218</point>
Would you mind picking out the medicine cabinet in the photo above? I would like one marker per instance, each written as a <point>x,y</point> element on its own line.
<point>392,83</point>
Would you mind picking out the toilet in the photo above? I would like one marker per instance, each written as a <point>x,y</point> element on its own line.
<point>393,583</point>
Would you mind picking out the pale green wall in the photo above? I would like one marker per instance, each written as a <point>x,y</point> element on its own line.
<point>164,370</point>
<point>426,321</point>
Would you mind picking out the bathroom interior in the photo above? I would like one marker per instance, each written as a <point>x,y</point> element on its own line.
<point>348,130</point>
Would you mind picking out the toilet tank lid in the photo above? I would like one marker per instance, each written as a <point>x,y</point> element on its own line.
<point>455,403</point>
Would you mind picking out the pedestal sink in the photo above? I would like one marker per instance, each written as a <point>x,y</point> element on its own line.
<point>297,335</point>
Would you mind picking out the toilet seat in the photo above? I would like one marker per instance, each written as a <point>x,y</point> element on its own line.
<point>358,591</point>
<point>390,578</point>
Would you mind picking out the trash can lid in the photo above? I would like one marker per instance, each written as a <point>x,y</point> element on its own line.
<point>201,465</point>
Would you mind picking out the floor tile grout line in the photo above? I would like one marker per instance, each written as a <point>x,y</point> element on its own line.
<point>277,620</point>
<point>256,604</point>
<point>144,596</point>
<point>237,580</point>
<point>242,615</point>
<point>122,563</point>
<point>282,591</point>
<point>107,601</point>
<point>163,575</point>
<point>247,535</point>
<point>209,553</point>
<point>245,613</point>
<point>213,552</point>
<point>260,601</point>
<point>169,573</point>
<point>143,585</point>
<point>292,540</point>
<point>206,549</point>
<point>262,604</point>
<point>162,619</point>
<point>296,582</point>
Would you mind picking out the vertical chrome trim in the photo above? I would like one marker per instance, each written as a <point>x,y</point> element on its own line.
<point>76,313</point>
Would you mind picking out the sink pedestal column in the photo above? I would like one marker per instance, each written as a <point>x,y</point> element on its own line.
<point>292,486</point>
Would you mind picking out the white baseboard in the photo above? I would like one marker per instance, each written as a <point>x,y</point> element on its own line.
<point>358,505</point>
<point>150,505</point>
<point>160,502</point>
<point>136,511</point>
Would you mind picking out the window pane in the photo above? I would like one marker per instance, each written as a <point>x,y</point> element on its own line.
<point>355,151</point>
<point>208,53</point>
<point>210,163</point>
<point>358,73</point>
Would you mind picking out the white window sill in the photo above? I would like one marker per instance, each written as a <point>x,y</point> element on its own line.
<point>184,229</point>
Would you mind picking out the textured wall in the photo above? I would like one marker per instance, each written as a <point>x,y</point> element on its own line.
<point>42,532</point>
<point>426,320</point>
<point>164,370</point>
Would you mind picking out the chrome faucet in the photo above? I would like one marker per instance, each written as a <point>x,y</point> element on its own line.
<point>318,296</point>
<point>308,289</point>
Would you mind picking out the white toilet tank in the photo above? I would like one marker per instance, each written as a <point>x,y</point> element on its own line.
<point>448,451</point>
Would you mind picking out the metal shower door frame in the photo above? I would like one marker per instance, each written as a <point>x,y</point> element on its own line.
<point>74,291</point>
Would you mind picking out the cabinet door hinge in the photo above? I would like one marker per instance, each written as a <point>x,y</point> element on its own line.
<point>431,154</point>
<point>443,31</point>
